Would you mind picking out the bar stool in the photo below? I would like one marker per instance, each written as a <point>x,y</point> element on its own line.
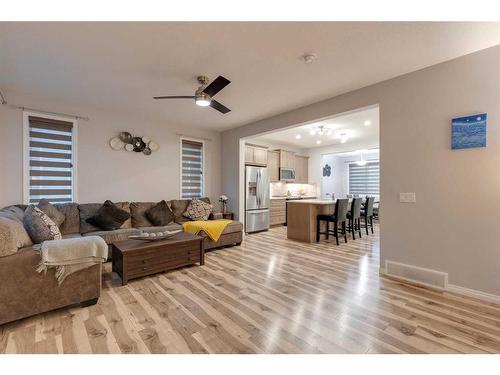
<point>367,213</point>
<point>339,217</point>
<point>354,217</point>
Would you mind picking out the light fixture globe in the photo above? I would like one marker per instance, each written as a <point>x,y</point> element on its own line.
<point>202,99</point>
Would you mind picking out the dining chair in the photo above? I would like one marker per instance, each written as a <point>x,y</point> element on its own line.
<point>367,213</point>
<point>339,217</point>
<point>354,217</point>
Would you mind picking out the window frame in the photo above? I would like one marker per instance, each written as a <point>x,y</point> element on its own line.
<point>203,164</point>
<point>26,152</point>
<point>349,178</point>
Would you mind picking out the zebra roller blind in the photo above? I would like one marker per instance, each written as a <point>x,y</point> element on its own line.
<point>364,180</point>
<point>50,160</point>
<point>192,169</point>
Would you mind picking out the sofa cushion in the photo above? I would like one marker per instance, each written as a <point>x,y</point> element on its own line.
<point>13,212</point>
<point>13,236</point>
<point>137,211</point>
<point>71,235</point>
<point>48,208</point>
<point>169,227</point>
<point>88,210</point>
<point>109,217</point>
<point>198,210</point>
<point>125,206</point>
<point>179,206</point>
<point>160,214</point>
<point>39,226</point>
<point>110,236</point>
<point>72,222</point>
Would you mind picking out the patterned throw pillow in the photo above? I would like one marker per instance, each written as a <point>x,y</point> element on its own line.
<point>39,226</point>
<point>198,210</point>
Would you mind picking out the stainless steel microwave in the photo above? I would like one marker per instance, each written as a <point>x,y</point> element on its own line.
<point>287,174</point>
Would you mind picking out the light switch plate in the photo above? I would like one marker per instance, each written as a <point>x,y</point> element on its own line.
<point>407,197</point>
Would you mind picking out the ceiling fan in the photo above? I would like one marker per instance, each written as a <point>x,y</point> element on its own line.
<point>204,93</point>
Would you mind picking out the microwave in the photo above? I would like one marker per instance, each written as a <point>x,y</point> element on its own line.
<point>287,174</point>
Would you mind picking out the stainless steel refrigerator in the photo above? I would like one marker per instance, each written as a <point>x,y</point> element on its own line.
<point>257,199</point>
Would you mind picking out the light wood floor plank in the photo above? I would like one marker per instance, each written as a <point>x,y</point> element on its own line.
<point>269,295</point>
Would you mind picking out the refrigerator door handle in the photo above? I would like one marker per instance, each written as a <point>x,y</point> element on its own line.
<point>257,192</point>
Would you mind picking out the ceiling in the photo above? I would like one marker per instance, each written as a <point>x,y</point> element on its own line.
<point>121,66</point>
<point>360,127</point>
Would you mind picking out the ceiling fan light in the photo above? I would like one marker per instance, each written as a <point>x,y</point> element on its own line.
<point>202,102</point>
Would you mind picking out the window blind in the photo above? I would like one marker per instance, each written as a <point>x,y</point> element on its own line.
<point>364,180</point>
<point>50,160</point>
<point>192,169</point>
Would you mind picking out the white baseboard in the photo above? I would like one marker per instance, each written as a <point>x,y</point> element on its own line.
<point>444,286</point>
<point>483,296</point>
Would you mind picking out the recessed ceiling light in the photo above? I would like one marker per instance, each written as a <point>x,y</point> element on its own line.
<point>298,136</point>
<point>367,123</point>
<point>318,142</point>
<point>312,132</point>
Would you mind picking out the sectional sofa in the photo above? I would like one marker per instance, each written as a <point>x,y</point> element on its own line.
<point>24,292</point>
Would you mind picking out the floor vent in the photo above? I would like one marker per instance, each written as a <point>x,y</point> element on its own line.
<point>419,275</point>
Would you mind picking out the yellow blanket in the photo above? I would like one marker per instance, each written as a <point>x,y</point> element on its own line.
<point>213,228</point>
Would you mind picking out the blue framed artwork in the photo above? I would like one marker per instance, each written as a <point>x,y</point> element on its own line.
<point>468,131</point>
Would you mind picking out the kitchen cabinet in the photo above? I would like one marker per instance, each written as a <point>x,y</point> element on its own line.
<point>277,212</point>
<point>287,159</point>
<point>255,155</point>
<point>273,165</point>
<point>301,169</point>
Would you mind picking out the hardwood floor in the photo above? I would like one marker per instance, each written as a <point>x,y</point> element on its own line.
<point>270,295</point>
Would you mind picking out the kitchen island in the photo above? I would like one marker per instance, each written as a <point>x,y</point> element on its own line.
<point>301,217</point>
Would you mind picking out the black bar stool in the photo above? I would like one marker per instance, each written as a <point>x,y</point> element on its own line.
<point>367,213</point>
<point>339,217</point>
<point>354,217</point>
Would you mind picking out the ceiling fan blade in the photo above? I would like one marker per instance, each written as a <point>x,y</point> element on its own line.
<point>173,97</point>
<point>218,84</point>
<point>221,108</point>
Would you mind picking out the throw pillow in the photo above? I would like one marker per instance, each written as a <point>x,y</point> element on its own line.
<point>13,236</point>
<point>39,226</point>
<point>160,214</point>
<point>198,210</point>
<point>57,216</point>
<point>109,217</point>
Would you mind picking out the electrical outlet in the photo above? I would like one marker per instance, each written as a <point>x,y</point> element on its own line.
<point>407,198</point>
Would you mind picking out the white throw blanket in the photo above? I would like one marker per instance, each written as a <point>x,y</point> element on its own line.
<point>73,254</point>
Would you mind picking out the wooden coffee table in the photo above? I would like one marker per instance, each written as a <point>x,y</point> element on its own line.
<point>135,258</point>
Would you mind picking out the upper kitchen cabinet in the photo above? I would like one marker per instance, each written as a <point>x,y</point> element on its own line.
<point>287,159</point>
<point>301,169</point>
<point>273,165</point>
<point>255,155</point>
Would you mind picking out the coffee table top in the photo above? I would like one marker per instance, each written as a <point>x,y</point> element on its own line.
<point>131,245</point>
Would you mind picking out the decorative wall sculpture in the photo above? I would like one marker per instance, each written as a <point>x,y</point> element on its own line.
<point>125,141</point>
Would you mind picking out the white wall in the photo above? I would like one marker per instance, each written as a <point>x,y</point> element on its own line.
<point>338,181</point>
<point>453,226</point>
<point>102,172</point>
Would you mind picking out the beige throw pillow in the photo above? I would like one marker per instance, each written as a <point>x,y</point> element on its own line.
<point>48,208</point>
<point>13,236</point>
<point>198,210</point>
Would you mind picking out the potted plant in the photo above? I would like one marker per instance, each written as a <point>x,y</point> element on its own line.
<point>223,200</point>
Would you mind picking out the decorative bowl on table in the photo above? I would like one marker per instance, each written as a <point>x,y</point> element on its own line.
<point>154,236</point>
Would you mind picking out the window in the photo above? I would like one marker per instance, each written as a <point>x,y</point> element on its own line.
<point>191,169</point>
<point>49,159</point>
<point>364,180</point>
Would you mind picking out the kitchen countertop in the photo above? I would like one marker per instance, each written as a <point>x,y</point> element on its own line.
<point>294,198</point>
<point>312,201</point>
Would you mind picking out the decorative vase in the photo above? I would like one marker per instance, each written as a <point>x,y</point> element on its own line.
<point>223,207</point>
